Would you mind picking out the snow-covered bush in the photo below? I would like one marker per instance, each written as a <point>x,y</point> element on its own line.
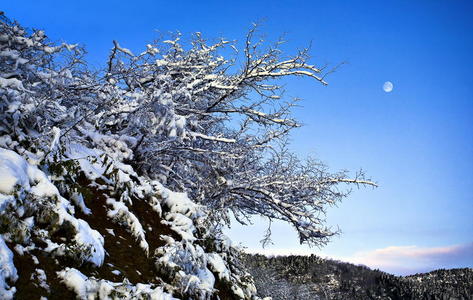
<point>177,133</point>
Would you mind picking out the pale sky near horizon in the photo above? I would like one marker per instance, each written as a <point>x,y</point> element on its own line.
<point>415,141</point>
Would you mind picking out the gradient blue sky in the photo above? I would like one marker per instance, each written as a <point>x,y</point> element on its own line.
<point>416,142</point>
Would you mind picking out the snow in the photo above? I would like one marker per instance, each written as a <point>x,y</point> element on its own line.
<point>224,87</point>
<point>35,260</point>
<point>218,265</point>
<point>110,231</point>
<point>90,288</point>
<point>238,291</point>
<point>179,202</point>
<point>11,83</point>
<point>78,200</point>
<point>19,249</point>
<point>121,212</point>
<point>51,246</point>
<point>40,276</point>
<point>92,238</point>
<point>7,271</point>
<point>85,235</point>
<point>76,281</point>
<point>206,278</point>
<point>15,171</point>
<point>182,212</point>
<point>40,184</point>
<point>212,138</point>
<point>56,135</point>
<point>85,157</point>
<point>124,50</point>
<point>12,54</point>
<point>194,265</point>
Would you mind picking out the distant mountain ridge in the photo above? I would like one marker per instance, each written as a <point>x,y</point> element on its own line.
<point>312,277</point>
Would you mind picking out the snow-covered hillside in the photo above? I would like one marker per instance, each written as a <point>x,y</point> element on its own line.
<point>48,240</point>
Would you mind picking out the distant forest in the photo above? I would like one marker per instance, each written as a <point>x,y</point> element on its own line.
<point>312,277</point>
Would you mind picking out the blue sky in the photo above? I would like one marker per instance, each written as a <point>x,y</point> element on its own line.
<point>416,142</point>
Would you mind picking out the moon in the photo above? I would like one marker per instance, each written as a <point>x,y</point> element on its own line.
<point>388,86</point>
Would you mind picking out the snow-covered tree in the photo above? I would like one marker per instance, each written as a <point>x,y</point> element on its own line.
<point>191,118</point>
<point>217,129</point>
<point>194,132</point>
